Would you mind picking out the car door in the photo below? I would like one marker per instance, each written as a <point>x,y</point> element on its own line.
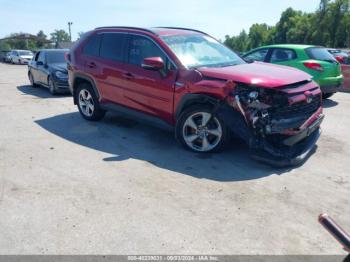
<point>283,56</point>
<point>15,57</point>
<point>260,55</point>
<point>34,68</point>
<point>104,56</point>
<point>41,68</point>
<point>146,90</point>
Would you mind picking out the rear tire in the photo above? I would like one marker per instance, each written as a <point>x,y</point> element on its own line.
<point>328,95</point>
<point>31,79</point>
<point>196,133</point>
<point>88,104</point>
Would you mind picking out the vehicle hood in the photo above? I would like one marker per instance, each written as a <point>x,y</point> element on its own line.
<point>258,74</point>
<point>59,67</point>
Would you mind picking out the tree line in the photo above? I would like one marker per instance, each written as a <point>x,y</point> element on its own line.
<point>328,26</point>
<point>40,41</point>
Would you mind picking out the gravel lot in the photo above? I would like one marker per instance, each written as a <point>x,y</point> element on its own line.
<point>68,186</point>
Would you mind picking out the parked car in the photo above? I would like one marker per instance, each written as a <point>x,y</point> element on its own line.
<point>7,57</point>
<point>341,56</point>
<point>48,68</point>
<point>314,60</point>
<point>188,81</point>
<point>20,56</point>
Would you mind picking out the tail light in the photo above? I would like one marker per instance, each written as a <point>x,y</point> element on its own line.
<point>314,66</point>
<point>340,59</point>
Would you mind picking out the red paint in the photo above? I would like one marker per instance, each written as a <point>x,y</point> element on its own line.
<point>258,74</point>
<point>154,62</point>
<point>346,73</point>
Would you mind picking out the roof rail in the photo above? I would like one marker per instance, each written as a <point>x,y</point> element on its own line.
<point>127,27</point>
<point>182,28</point>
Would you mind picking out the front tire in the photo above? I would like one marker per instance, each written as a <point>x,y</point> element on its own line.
<point>88,104</point>
<point>200,132</point>
<point>328,95</point>
<point>31,79</point>
<point>52,87</point>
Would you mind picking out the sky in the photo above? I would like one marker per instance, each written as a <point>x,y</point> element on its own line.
<point>216,17</point>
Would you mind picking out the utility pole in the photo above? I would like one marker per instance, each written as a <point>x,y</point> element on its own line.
<point>70,32</point>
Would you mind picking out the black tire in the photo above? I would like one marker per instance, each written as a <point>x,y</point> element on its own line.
<point>52,87</point>
<point>31,79</point>
<point>328,95</point>
<point>218,144</point>
<point>93,115</point>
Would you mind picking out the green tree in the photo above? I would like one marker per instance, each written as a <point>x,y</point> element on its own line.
<point>4,46</point>
<point>41,40</point>
<point>259,34</point>
<point>60,36</point>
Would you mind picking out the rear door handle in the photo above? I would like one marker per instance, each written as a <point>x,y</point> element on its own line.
<point>128,76</point>
<point>91,65</point>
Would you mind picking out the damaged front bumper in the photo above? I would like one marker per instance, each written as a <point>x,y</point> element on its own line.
<point>279,142</point>
<point>293,150</point>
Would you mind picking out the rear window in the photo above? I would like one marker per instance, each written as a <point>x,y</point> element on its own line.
<point>112,46</point>
<point>92,47</point>
<point>319,53</point>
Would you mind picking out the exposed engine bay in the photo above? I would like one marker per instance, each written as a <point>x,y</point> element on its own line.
<point>281,126</point>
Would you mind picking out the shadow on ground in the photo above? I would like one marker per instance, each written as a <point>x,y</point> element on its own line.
<point>127,139</point>
<point>39,91</point>
<point>328,103</point>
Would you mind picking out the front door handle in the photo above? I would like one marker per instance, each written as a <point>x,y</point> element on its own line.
<point>91,65</point>
<point>128,76</point>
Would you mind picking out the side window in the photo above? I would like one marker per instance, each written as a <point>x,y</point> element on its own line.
<point>281,55</point>
<point>141,47</point>
<point>112,46</point>
<point>41,57</point>
<point>36,56</point>
<point>258,55</point>
<point>92,47</point>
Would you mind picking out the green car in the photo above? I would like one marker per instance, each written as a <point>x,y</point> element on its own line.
<point>314,60</point>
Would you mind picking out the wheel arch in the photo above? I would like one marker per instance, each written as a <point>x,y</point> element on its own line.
<point>80,79</point>
<point>194,99</point>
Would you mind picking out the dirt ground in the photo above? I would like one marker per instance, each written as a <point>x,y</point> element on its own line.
<point>68,186</point>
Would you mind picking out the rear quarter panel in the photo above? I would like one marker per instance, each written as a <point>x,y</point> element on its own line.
<point>346,74</point>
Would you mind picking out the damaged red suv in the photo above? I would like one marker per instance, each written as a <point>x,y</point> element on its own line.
<point>188,81</point>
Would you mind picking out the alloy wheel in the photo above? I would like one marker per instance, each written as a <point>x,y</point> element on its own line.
<point>86,103</point>
<point>202,131</point>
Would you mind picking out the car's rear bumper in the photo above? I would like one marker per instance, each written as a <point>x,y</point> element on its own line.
<point>331,84</point>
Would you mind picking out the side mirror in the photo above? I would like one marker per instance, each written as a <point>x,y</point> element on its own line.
<point>39,63</point>
<point>153,63</point>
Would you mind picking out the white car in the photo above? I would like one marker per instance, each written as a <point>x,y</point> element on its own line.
<point>20,56</point>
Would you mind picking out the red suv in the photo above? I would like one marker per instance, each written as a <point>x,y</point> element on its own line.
<point>188,81</point>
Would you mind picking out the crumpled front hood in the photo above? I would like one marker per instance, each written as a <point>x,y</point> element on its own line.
<point>59,67</point>
<point>258,74</point>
